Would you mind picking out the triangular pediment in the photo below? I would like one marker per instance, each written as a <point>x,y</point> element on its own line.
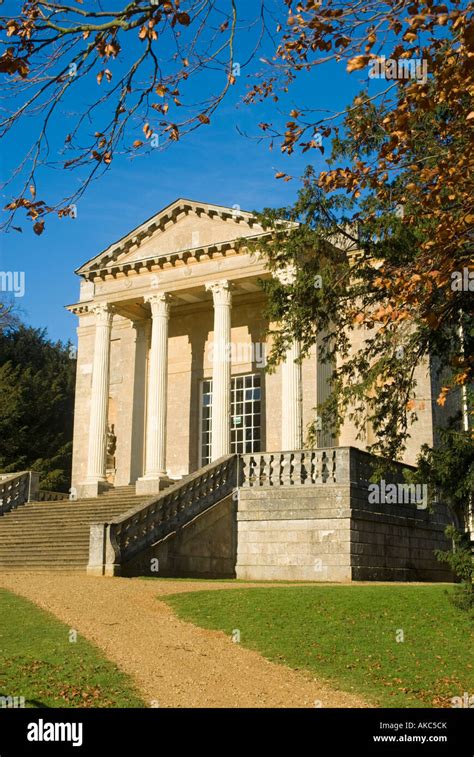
<point>183,225</point>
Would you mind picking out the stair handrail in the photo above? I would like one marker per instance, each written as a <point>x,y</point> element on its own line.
<point>120,539</point>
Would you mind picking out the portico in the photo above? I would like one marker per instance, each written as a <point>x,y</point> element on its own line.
<point>215,298</point>
<point>172,354</point>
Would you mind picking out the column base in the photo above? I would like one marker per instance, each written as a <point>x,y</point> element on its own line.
<point>91,489</point>
<point>152,485</point>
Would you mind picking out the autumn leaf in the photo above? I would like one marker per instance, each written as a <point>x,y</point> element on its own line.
<point>441,401</point>
<point>358,62</point>
<point>204,119</point>
<point>184,19</point>
<point>38,227</point>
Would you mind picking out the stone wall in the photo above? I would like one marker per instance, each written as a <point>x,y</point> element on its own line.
<point>332,533</point>
<point>294,533</point>
<point>396,542</point>
<point>205,548</point>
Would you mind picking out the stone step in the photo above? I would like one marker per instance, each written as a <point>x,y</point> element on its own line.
<point>63,526</point>
<point>70,509</point>
<point>59,517</point>
<point>32,557</point>
<point>79,504</point>
<point>70,544</point>
<point>22,549</point>
<point>49,538</point>
<point>36,557</point>
<point>33,525</point>
<point>45,565</point>
<point>44,536</point>
<point>60,568</point>
<point>68,512</point>
<point>50,528</point>
<point>61,539</point>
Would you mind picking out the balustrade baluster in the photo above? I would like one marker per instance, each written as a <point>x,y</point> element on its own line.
<point>297,468</point>
<point>270,469</point>
<point>251,470</point>
<point>286,469</point>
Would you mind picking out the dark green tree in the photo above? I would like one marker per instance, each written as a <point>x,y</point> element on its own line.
<point>36,405</point>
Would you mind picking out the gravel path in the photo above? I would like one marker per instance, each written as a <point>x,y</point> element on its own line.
<point>173,663</point>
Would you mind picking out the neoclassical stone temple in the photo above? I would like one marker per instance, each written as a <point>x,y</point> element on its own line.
<point>171,354</point>
<point>172,391</point>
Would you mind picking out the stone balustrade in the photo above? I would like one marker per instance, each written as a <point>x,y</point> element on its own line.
<point>296,468</point>
<point>16,489</point>
<point>112,544</point>
<point>332,465</point>
<point>47,496</point>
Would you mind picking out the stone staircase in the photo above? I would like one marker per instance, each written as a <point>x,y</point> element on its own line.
<point>55,535</point>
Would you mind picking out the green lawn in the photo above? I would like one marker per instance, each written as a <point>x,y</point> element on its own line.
<point>38,662</point>
<point>347,635</point>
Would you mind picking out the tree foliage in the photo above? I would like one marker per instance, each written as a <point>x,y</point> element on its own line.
<point>148,73</point>
<point>397,198</point>
<point>36,405</point>
<point>460,560</point>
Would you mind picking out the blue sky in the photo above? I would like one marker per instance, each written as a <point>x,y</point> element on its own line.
<point>215,164</point>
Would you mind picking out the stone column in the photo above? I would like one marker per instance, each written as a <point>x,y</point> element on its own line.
<point>221,368</point>
<point>155,478</point>
<point>291,400</point>
<point>99,401</point>
<point>291,396</point>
